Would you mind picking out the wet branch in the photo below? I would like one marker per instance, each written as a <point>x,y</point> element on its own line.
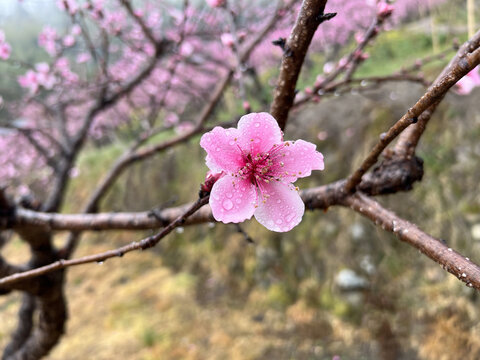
<point>450,260</point>
<point>143,244</point>
<point>434,94</point>
<point>294,51</point>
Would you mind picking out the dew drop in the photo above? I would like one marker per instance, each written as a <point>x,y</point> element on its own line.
<point>279,221</point>
<point>290,217</point>
<point>179,230</point>
<point>231,142</point>
<point>217,149</point>
<point>279,201</point>
<point>227,204</point>
<point>229,195</point>
<point>257,125</point>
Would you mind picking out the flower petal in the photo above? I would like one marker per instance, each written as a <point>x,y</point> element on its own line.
<point>223,152</point>
<point>295,160</point>
<point>232,200</point>
<point>283,208</point>
<point>258,132</point>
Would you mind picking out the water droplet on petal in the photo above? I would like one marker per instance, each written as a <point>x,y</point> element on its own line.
<point>257,125</point>
<point>279,201</point>
<point>289,217</point>
<point>231,142</point>
<point>279,221</point>
<point>238,201</point>
<point>227,204</point>
<point>217,149</point>
<point>229,195</point>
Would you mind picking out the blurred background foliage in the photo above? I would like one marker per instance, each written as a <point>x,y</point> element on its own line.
<point>335,285</point>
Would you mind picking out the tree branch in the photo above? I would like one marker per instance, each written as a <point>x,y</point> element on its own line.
<point>455,263</point>
<point>434,94</point>
<point>137,245</point>
<point>393,175</point>
<point>295,49</point>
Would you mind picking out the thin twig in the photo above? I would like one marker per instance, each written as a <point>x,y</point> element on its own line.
<point>101,257</point>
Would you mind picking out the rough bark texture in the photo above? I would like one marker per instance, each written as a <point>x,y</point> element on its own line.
<point>295,49</point>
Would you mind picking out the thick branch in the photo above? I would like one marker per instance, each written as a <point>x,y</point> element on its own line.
<point>432,96</point>
<point>24,326</point>
<point>295,49</point>
<point>450,260</point>
<point>392,175</point>
<point>409,139</point>
<point>137,245</point>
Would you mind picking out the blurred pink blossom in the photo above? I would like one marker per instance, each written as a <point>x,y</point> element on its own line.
<point>69,40</point>
<point>227,40</point>
<point>184,127</point>
<point>215,3</point>
<point>68,5</point>
<point>5,50</point>
<point>322,135</point>
<point>259,171</point>
<point>47,39</point>
<point>83,58</point>
<point>384,9</point>
<point>29,81</point>
<point>171,119</point>
<point>186,49</point>
<point>76,30</point>
<point>465,85</point>
<point>328,67</point>
<point>44,77</point>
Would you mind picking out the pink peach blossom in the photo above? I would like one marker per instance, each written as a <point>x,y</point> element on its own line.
<point>466,84</point>
<point>227,40</point>
<point>259,169</point>
<point>76,30</point>
<point>5,51</point>
<point>83,58</point>
<point>29,81</point>
<point>69,40</point>
<point>384,9</point>
<point>216,3</point>
<point>171,119</point>
<point>184,127</point>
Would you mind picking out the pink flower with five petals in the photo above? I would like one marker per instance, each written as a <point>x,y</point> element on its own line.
<point>258,171</point>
